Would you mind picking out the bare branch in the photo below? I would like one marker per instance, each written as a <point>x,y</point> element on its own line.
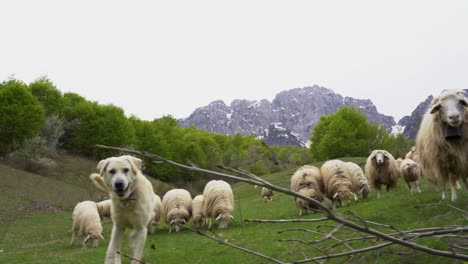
<point>131,258</point>
<point>441,204</point>
<point>231,245</point>
<point>286,220</point>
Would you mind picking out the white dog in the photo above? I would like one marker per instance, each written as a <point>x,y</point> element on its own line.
<point>132,202</point>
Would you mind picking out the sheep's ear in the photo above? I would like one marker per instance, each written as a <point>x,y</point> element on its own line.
<point>386,154</point>
<point>101,237</point>
<point>102,165</point>
<point>183,220</point>
<point>463,102</point>
<point>372,155</point>
<point>172,222</point>
<point>435,106</point>
<point>232,217</point>
<point>134,162</point>
<point>219,217</point>
<point>87,238</point>
<point>335,195</point>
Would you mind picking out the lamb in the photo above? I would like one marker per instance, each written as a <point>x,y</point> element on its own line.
<point>157,208</point>
<point>307,180</point>
<point>87,223</point>
<point>267,194</point>
<point>381,169</point>
<point>197,211</point>
<point>442,141</point>
<point>359,182</point>
<point>411,172</point>
<point>104,208</point>
<point>337,182</point>
<point>176,208</point>
<point>218,203</point>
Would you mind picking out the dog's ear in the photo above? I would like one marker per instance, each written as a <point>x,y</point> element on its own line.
<point>135,162</point>
<point>102,165</point>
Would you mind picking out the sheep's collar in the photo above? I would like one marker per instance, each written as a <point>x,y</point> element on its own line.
<point>452,133</point>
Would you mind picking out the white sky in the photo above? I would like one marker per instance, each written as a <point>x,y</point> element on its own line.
<point>154,58</point>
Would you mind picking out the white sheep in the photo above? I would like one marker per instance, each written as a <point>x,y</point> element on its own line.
<point>197,211</point>
<point>105,208</point>
<point>398,161</point>
<point>176,208</point>
<point>411,172</point>
<point>218,203</point>
<point>442,141</point>
<point>156,214</point>
<point>307,180</point>
<point>267,194</point>
<point>381,170</point>
<point>359,182</point>
<point>337,182</point>
<point>87,223</point>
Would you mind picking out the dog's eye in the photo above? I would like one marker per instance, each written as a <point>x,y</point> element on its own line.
<point>112,171</point>
<point>125,170</point>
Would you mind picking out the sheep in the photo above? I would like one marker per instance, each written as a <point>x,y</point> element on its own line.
<point>218,203</point>
<point>359,182</point>
<point>267,194</point>
<point>411,172</point>
<point>197,211</point>
<point>87,223</point>
<point>412,154</point>
<point>307,180</point>
<point>156,214</point>
<point>337,182</point>
<point>381,169</point>
<point>176,208</point>
<point>398,161</point>
<point>442,141</point>
<point>104,208</point>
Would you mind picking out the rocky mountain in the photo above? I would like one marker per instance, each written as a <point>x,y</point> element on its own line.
<point>410,124</point>
<point>287,120</point>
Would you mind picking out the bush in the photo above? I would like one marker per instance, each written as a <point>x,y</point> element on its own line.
<point>32,155</point>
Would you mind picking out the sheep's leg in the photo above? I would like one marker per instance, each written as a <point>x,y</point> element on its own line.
<point>453,186</point>
<point>417,187</point>
<point>114,245</point>
<point>459,187</point>
<point>410,187</point>
<point>73,238</point>
<point>210,223</point>
<point>138,239</point>
<point>444,191</point>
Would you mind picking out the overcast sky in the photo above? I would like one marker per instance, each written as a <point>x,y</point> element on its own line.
<point>155,58</point>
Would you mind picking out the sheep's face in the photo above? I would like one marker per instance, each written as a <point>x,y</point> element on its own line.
<point>312,193</point>
<point>120,174</point>
<point>94,237</point>
<point>450,109</point>
<point>177,222</point>
<point>380,158</point>
<point>365,190</point>
<point>224,219</point>
<point>343,195</point>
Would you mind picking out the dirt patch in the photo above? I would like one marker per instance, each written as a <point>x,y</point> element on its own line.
<point>43,206</point>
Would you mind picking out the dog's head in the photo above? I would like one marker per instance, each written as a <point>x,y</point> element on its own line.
<point>120,174</point>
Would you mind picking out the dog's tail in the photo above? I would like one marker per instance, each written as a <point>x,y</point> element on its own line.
<point>99,182</point>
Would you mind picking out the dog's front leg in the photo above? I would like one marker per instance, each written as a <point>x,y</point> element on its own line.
<point>114,245</point>
<point>138,239</point>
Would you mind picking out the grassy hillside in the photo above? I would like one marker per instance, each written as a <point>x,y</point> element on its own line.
<point>42,236</point>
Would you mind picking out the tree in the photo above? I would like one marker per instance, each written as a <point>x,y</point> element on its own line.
<point>21,115</point>
<point>48,96</point>
<point>343,133</point>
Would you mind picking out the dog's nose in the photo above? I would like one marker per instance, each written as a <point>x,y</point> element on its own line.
<point>119,185</point>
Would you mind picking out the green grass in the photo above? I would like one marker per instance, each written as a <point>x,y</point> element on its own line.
<point>39,237</point>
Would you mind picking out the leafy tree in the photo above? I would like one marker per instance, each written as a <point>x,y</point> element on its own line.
<point>343,133</point>
<point>48,96</point>
<point>21,115</point>
<point>398,145</point>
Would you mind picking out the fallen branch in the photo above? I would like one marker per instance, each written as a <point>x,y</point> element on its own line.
<point>286,220</point>
<point>131,258</point>
<point>441,204</point>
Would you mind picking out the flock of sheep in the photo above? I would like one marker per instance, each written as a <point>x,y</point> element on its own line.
<point>176,208</point>
<point>440,154</point>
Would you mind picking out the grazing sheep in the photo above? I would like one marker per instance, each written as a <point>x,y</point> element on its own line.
<point>176,208</point>
<point>267,194</point>
<point>104,208</point>
<point>337,182</point>
<point>381,170</point>
<point>442,141</point>
<point>87,223</point>
<point>411,172</point>
<point>218,203</point>
<point>156,214</point>
<point>359,182</point>
<point>308,179</point>
<point>197,211</point>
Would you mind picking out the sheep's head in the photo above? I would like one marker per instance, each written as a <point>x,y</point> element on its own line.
<point>224,219</point>
<point>311,193</point>
<point>364,190</point>
<point>177,222</point>
<point>343,194</point>
<point>450,107</point>
<point>95,237</point>
<point>379,156</point>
